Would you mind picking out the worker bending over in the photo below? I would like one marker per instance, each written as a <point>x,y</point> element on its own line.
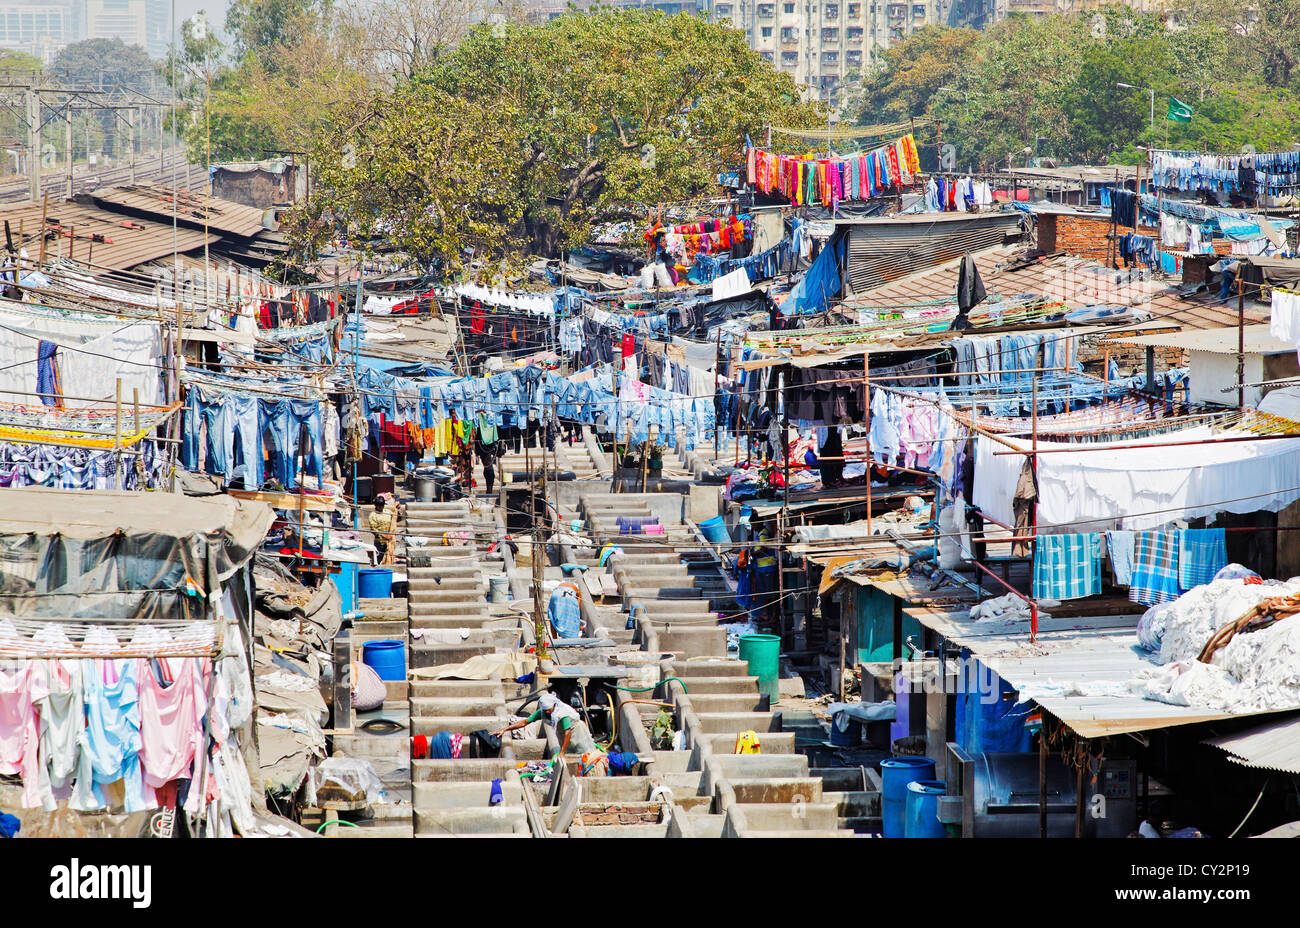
<point>569,728</point>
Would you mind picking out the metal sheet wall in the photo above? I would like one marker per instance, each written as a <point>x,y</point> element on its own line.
<point>885,251</point>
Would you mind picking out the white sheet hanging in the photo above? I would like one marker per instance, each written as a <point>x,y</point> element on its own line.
<point>1143,487</point>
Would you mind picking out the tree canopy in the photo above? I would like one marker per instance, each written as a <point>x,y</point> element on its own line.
<point>513,140</point>
<point>1050,84</point>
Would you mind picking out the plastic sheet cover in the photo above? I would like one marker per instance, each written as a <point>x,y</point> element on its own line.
<point>82,554</point>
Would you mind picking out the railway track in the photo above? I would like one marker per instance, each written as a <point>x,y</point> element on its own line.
<point>188,176</point>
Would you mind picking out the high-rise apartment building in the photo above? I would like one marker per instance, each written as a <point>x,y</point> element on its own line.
<point>118,19</point>
<point>825,44</point>
<point>39,28</point>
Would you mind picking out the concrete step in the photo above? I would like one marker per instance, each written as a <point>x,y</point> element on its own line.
<point>706,825</point>
<point>785,816</point>
<point>432,655</point>
<point>706,702</point>
<point>738,767</point>
<point>714,668</point>
<point>458,567</point>
<point>770,743</point>
<point>619,831</point>
<point>469,768</point>
<point>427,707</point>
<point>471,821</point>
<point>709,686</point>
<point>466,794</point>
<point>456,688</point>
<point>447,607</point>
<point>778,789</point>
<point>475,584</point>
<point>683,784</point>
<point>475,623</point>
<point>387,830</point>
<point>464,724</point>
<point>655,606</point>
<point>735,722</point>
<point>693,641</point>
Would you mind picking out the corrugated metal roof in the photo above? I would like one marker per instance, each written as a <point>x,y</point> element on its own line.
<point>882,250</point>
<point>124,243</point>
<point>1257,340</point>
<point>1073,653</point>
<point>1274,745</point>
<point>1077,282</point>
<point>156,201</point>
<point>1091,173</point>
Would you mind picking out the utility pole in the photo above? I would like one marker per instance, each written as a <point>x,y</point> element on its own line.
<point>33,143</point>
<point>67,145</point>
<point>539,551</point>
<point>130,122</point>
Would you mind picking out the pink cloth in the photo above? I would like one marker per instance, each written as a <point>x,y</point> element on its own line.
<point>171,722</point>
<point>20,733</point>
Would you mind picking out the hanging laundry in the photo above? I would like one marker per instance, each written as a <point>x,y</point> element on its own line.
<point>1155,567</point>
<point>1202,553</point>
<point>1067,566</point>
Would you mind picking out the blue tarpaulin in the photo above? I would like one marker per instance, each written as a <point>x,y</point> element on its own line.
<point>820,285</point>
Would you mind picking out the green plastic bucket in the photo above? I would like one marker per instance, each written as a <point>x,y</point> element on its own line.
<point>762,653</point>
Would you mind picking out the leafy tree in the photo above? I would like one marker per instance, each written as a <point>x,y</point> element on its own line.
<point>263,28</point>
<point>105,64</point>
<point>583,113</point>
<point>914,71</point>
<point>1049,85</point>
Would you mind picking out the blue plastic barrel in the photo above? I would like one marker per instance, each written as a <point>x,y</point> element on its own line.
<point>895,774</point>
<point>715,530</point>
<point>374,583</point>
<point>388,658</point>
<point>921,816</point>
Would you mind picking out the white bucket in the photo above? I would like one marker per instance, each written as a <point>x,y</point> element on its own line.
<point>500,589</point>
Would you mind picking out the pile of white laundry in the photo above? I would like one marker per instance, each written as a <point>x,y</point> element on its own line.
<point>1256,671</point>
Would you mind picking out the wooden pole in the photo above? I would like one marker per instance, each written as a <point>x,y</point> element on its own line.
<point>1033,465</point>
<point>117,435</point>
<point>717,368</point>
<point>1241,343</point>
<point>1042,779</point>
<point>1081,762</point>
<point>45,210</point>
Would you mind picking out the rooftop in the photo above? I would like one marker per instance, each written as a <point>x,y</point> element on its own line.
<point>106,240</point>
<point>190,208</point>
<point>1010,271</point>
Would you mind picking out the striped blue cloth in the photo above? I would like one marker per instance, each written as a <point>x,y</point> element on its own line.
<point>565,613</point>
<point>1067,566</point>
<point>1202,553</point>
<point>1155,567</point>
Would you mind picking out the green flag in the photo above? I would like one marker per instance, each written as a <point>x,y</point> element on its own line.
<point>1179,111</point>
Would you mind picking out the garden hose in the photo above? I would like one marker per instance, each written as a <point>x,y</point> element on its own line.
<point>337,821</point>
<point>646,689</point>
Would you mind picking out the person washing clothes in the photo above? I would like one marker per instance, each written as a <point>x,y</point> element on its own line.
<point>569,728</point>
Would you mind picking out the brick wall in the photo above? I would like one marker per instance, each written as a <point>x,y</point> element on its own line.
<point>619,813</point>
<point>1131,359</point>
<point>1080,236</point>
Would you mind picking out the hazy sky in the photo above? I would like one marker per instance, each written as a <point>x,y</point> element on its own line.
<point>216,10</point>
